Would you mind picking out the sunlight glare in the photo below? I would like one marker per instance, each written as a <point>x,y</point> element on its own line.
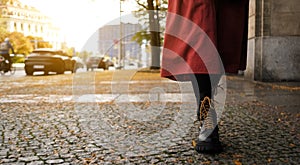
<point>79,19</point>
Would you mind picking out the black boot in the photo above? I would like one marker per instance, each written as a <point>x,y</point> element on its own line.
<point>210,145</point>
<point>208,140</point>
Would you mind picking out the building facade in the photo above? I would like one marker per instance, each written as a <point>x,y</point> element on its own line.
<point>274,40</point>
<point>17,17</point>
<point>110,37</point>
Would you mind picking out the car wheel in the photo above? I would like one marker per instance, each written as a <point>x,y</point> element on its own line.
<point>74,70</point>
<point>74,67</point>
<point>29,71</point>
<point>61,70</point>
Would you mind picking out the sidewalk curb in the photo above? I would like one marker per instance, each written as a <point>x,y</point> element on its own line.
<point>288,85</point>
<point>19,66</point>
<point>291,86</point>
<point>149,70</point>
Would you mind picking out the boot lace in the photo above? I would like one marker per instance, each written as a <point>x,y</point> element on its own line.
<point>205,113</point>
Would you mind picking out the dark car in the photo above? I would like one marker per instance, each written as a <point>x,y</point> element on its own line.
<point>92,62</point>
<point>48,60</point>
<point>105,63</point>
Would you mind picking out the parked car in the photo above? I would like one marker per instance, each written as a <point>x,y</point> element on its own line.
<point>92,62</point>
<point>48,60</point>
<point>78,63</point>
<point>105,63</point>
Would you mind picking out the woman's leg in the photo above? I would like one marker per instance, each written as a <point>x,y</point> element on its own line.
<point>202,88</point>
<point>208,140</point>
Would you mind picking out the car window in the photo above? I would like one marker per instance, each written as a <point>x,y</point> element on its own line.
<point>93,59</point>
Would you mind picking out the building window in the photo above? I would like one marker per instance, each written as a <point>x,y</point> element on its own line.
<point>15,26</point>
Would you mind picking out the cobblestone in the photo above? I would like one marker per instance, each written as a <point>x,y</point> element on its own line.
<point>254,129</point>
<point>28,159</point>
<point>36,163</point>
<point>55,161</point>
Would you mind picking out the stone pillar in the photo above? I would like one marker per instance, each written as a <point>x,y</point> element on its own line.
<point>274,40</point>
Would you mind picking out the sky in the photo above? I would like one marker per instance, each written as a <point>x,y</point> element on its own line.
<point>79,19</point>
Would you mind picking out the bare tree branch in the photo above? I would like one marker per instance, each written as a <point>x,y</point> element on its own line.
<point>141,4</point>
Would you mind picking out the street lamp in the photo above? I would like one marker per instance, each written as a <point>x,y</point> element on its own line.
<point>121,56</point>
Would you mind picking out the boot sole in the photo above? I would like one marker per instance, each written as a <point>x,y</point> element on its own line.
<point>209,148</point>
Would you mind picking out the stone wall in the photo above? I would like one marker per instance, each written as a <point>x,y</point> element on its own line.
<point>274,40</point>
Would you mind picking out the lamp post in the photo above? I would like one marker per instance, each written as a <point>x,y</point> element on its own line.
<point>121,56</point>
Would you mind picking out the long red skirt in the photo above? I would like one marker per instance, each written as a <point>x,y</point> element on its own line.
<point>205,37</point>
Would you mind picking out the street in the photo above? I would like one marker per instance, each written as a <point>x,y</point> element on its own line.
<point>20,72</point>
<point>122,106</point>
<point>130,117</point>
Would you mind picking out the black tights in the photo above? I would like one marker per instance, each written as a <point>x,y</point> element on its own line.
<point>203,85</point>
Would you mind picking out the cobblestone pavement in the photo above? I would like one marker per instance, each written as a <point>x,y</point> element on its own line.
<point>258,126</point>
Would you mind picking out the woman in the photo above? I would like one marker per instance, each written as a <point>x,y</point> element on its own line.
<point>201,35</point>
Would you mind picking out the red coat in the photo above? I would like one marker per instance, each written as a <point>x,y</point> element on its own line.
<point>201,35</point>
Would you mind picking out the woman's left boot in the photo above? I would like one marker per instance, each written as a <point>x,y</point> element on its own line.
<point>208,140</point>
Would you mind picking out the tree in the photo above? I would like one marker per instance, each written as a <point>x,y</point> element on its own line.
<point>153,9</point>
<point>140,36</point>
<point>71,51</point>
<point>38,42</point>
<point>20,43</point>
<point>4,1</point>
<point>3,33</point>
<point>84,55</point>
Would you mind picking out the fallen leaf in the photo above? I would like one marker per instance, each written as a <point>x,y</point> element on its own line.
<point>292,145</point>
<point>194,143</point>
<point>190,161</point>
<point>237,162</point>
<point>207,162</point>
<point>55,152</point>
<point>269,160</point>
